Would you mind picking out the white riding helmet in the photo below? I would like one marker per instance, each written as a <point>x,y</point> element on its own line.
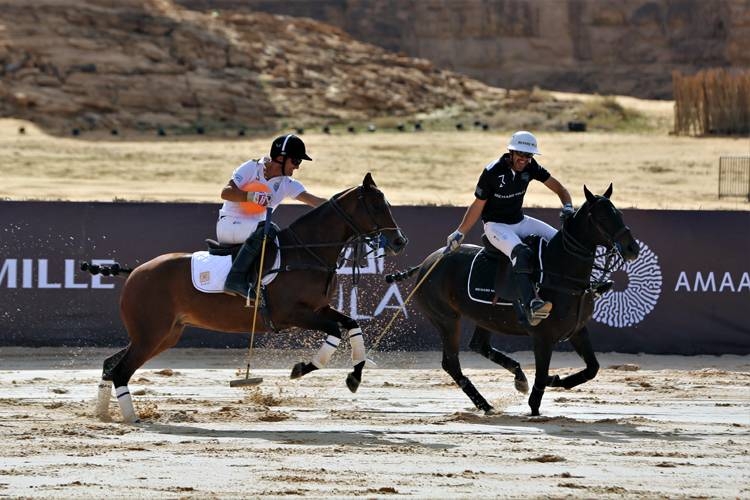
<point>523,141</point>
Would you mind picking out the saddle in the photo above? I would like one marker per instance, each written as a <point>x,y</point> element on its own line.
<point>272,257</point>
<point>271,262</point>
<point>490,279</point>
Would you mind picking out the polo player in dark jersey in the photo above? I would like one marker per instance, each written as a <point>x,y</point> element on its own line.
<point>499,202</point>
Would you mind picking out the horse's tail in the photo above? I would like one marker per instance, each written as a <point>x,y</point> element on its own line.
<point>110,270</point>
<point>390,278</point>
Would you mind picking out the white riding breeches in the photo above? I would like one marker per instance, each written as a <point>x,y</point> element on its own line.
<point>231,229</point>
<point>505,237</point>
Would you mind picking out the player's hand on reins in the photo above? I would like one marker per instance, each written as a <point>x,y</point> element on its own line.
<point>566,211</point>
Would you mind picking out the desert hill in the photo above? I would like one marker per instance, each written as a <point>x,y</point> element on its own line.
<point>101,65</point>
<point>144,64</point>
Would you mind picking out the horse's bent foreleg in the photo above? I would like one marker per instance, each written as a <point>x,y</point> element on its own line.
<point>480,343</point>
<point>330,321</point>
<point>582,344</point>
<point>542,356</point>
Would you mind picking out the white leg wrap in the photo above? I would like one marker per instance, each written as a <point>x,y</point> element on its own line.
<point>357,341</point>
<point>102,400</point>
<point>126,404</point>
<point>323,356</point>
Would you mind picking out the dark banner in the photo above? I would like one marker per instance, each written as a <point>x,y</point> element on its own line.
<point>688,292</point>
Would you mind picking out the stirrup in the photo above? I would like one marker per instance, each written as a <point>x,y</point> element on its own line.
<point>239,291</point>
<point>538,310</point>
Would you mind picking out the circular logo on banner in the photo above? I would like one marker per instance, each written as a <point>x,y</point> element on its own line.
<point>619,308</point>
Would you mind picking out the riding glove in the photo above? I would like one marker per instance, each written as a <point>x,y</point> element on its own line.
<point>454,240</point>
<point>261,198</point>
<point>567,211</point>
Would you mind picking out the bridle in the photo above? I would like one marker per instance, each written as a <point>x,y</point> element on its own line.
<point>359,233</point>
<point>610,239</point>
<point>581,251</point>
<point>361,237</point>
<point>613,254</point>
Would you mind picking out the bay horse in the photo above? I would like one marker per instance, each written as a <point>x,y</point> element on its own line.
<point>158,299</point>
<point>567,265</point>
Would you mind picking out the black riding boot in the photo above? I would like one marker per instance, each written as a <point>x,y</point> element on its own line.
<point>534,308</point>
<point>237,282</point>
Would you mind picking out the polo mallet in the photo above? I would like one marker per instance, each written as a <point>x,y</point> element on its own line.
<point>408,298</point>
<point>242,382</point>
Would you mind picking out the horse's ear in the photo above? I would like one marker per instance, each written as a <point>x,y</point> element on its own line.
<point>608,192</point>
<point>367,182</point>
<point>590,197</point>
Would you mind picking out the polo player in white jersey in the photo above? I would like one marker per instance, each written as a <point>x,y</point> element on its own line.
<point>265,182</point>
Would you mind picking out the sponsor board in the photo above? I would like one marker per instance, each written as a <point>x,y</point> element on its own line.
<point>686,294</point>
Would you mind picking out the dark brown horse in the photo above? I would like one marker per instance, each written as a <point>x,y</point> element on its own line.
<point>567,265</point>
<point>159,300</point>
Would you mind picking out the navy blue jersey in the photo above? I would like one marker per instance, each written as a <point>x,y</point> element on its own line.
<point>504,189</point>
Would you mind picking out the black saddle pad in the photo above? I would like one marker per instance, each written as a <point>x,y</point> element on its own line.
<point>489,262</point>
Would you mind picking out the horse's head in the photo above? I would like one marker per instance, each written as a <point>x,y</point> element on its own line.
<point>609,230</point>
<point>370,215</point>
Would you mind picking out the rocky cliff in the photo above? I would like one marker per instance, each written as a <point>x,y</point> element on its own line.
<point>595,46</point>
<point>141,64</point>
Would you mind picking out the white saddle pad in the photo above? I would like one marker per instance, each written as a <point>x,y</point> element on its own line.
<point>209,272</point>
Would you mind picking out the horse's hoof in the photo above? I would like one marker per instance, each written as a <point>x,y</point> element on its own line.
<point>522,386</point>
<point>352,382</point>
<point>301,369</point>
<point>491,411</point>
<point>554,381</point>
<point>535,412</point>
<point>520,381</point>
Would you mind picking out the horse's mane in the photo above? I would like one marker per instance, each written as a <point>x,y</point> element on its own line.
<point>302,219</point>
<point>559,234</point>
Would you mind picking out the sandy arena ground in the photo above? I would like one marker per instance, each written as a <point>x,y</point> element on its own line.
<point>647,426</point>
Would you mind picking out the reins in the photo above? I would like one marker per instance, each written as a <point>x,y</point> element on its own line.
<point>575,248</point>
<point>360,238</point>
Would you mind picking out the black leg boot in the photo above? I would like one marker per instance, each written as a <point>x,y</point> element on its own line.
<point>534,308</point>
<point>237,282</point>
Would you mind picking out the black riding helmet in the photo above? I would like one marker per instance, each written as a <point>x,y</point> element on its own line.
<point>289,146</point>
